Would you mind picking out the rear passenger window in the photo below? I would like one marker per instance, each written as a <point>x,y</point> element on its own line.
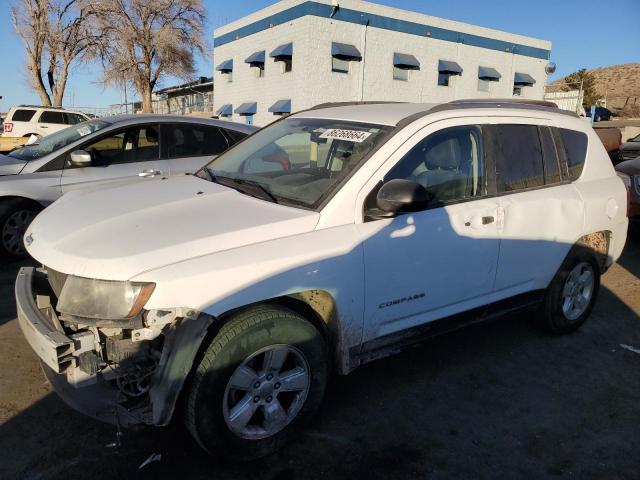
<point>518,157</point>
<point>184,140</point>
<point>551,165</point>
<point>52,117</point>
<point>22,115</point>
<point>575,150</point>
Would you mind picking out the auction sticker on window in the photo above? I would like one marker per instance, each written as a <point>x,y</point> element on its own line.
<point>84,131</point>
<point>355,136</point>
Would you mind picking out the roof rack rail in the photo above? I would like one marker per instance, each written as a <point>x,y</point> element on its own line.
<point>347,104</point>
<point>536,105</point>
<point>40,106</point>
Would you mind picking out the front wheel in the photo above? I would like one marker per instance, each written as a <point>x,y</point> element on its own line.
<point>572,293</point>
<point>15,217</point>
<point>262,376</point>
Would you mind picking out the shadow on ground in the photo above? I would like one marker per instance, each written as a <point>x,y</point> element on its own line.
<point>499,400</point>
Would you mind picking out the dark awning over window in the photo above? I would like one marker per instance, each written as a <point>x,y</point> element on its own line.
<point>445,66</point>
<point>523,79</point>
<point>283,51</point>
<point>249,108</point>
<point>281,106</point>
<point>488,73</point>
<point>404,60</point>
<point>225,67</point>
<point>226,109</point>
<point>255,58</point>
<point>344,51</point>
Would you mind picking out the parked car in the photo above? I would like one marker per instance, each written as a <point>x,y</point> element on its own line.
<point>30,120</point>
<point>629,171</point>
<point>602,114</point>
<point>630,148</point>
<point>331,238</point>
<point>611,138</point>
<point>101,152</point>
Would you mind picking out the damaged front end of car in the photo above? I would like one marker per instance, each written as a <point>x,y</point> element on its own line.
<point>104,354</point>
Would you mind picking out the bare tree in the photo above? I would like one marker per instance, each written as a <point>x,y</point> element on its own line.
<point>68,40</point>
<point>54,33</point>
<point>143,40</point>
<point>30,20</point>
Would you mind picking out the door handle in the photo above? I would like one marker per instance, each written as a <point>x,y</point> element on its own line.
<point>43,126</point>
<point>477,222</point>
<point>149,173</point>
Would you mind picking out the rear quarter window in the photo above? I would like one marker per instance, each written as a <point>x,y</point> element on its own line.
<point>575,151</point>
<point>22,115</point>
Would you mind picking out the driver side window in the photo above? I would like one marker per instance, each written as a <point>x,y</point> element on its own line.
<point>448,163</point>
<point>137,144</point>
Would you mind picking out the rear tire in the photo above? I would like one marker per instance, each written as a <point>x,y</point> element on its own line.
<point>570,297</point>
<point>258,382</point>
<point>16,215</point>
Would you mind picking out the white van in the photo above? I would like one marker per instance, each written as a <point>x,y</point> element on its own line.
<point>331,238</point>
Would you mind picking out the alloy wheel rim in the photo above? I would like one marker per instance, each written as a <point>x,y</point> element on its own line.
<point>266,392</point>
<point>577,291</point>
<point>14,229</point>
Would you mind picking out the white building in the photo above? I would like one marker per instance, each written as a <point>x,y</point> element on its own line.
<point>296,54</point>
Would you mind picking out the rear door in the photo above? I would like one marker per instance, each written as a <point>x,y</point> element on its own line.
<point>127,154</point>
<point>188,147</point>
<point>542,213</point>
<point>51,121</point>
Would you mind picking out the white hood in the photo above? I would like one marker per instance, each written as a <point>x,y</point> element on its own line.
<point>118,233</point>
<point>10,165</point>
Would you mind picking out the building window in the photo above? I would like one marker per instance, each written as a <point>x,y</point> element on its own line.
<point>258,71</point>
<point>339,65</point>
<point>483,85</point>
<point>400,74</point>
<point>248,119</point>
<point>228,76</point>
<point>287,65</point>
<point>444,79</point>
<point>517,91</point>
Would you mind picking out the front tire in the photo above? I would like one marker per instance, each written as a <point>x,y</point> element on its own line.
<point>572,294</point>
<point>259,380</point>
<point>15,217</point>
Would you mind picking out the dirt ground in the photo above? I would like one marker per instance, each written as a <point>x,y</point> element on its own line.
<point>498,400</point>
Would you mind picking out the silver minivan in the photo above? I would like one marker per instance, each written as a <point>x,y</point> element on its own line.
<point>101,152</point>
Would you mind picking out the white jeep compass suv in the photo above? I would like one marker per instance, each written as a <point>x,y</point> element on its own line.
<point>28,120</point>
<point>328,239</point>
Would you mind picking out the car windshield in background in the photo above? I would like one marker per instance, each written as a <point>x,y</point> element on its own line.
<point>296,161</point>
<point>58,140</point>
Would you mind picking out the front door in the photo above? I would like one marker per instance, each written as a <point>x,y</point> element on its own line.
<point>427,265</point>
<point>129,154</point>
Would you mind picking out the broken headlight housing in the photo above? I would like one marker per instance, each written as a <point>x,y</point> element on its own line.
<point>103,299</point>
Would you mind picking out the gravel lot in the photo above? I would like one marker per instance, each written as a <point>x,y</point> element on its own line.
<point>499,400</point>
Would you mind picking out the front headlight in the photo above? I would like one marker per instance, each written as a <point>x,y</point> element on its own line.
<point>103,299</point>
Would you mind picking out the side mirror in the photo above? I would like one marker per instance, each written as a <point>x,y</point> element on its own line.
<point>80,158</point>
<point>402,196</point>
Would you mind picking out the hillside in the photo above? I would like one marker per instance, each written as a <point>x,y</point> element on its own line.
<point>619,84</point>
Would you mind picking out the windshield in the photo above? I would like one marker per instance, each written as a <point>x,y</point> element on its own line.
<point>297,161</point>
<point>58,140</point>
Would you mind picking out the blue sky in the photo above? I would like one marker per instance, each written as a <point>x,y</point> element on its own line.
<point>579,40</point>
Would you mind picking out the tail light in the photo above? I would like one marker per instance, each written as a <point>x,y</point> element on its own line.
<point>8,127</point>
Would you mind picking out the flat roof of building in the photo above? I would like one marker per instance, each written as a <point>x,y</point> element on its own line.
<point>386,18</point>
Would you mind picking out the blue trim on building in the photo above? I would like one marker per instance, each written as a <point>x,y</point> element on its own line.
<point>249,108</point>
<point>255,58</point>
<point>225,67</point>
<point>447,66</point>
<point>226,109</point>
<point>378,21</point>
<point>345,51</point>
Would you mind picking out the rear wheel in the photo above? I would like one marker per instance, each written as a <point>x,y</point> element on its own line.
<point>15,217</point>
<point>263,375</point>
<point>572,293</point>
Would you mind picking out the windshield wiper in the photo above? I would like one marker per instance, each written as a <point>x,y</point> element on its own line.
<point>249,187</point>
